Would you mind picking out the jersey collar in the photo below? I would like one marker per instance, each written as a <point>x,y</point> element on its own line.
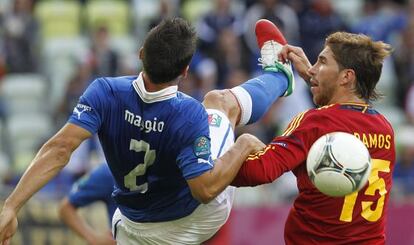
<point>151,97</point>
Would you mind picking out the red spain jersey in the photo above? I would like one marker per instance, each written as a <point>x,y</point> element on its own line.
<point>315,218</point>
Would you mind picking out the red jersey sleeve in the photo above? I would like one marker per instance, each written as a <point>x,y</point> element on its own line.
<point>283,154</point>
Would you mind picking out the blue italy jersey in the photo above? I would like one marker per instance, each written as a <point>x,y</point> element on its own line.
<point>95,186</point>
<point>153,143</point>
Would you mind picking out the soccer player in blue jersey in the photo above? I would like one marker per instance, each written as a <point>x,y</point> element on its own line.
<point>95,186</point>
<point>172,158</point>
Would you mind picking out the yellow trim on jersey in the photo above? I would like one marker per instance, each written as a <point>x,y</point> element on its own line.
<point>354,103</point>
<point>365,109</point>
<point>365,105</point>
<point>324,107</point>
<point>294,124</point>
<point>258,154</point>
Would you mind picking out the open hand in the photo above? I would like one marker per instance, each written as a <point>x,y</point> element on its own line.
<point>103,239</point>
<point>253,142</point>
<point>298,58</point>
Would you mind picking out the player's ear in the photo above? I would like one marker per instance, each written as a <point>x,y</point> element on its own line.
<point>185,71</point>
<point>347,77</point>
<point>140,53</point>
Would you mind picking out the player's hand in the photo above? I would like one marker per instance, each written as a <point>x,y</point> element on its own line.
<point>8,225</point>
<point>298,58</point>
<point>253,142</point>
<point>103,239</point>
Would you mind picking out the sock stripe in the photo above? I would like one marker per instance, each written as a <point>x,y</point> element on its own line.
<point>245,102</point>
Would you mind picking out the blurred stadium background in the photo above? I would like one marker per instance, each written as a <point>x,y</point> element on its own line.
<point>50,50</point>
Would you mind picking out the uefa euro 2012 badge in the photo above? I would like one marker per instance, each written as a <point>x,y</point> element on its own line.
<point>214,120</point>
<point>201,147</point>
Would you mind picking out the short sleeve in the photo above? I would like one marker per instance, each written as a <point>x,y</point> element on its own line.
<point>194,157</point>
<point>89,111</point>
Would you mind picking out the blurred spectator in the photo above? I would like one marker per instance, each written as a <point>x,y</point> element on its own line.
<point>5,149</point>
<point>277,12</point>
<point>167,8</point>
<point>97,186</point>
<point>403,175</point>
<point>104,61</point>
<point>211,25</point>
<point>75,88</point>
<point>5,152</point>
<point>316,23</point>
<point>21,36</point>
<point>299,6</point>
<point>409,104</point>
<point>3,109</point>
<point>404,66</point>
<point>236,77</point>
<point>385,20</point>
<point>202,76</point>
<point>230,55</point>
<point>2,57</point>
<point>381,20</point>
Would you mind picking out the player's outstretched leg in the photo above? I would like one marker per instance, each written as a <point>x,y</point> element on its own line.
<point>257,95</point>
<point>250,101</point>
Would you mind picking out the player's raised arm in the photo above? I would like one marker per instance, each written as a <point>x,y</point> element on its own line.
<point>298,58</point>
<point>50,159</point>
<point>210,184</point>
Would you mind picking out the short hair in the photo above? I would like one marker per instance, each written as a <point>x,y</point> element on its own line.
<point>363,55</point>
<point>168,49</point>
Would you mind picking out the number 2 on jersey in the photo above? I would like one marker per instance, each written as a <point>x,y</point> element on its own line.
<point>375,183</point>
<point>130,180</point>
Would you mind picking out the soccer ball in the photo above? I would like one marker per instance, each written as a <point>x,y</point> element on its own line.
<point>338,164</point>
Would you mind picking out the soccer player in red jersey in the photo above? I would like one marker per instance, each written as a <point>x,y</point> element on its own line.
<point>342,82</point>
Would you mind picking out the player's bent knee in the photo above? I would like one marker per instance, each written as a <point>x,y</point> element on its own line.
<point>215,99</point>
<point>224,101</point>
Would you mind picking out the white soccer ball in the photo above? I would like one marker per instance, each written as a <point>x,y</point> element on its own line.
<point>338,164</point>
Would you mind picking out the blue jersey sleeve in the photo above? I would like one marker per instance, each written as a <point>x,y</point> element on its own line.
<point>91,107</point>
<point>96,186</point>
<point>195,156</point>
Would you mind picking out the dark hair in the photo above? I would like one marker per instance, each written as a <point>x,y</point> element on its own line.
<point>363,55</point>
<point>168,49</point>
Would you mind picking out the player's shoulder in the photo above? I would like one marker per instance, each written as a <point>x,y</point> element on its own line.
<point>323,112</point>
<point>113,84</point>
<point>314,118</point>
<point>313,114</point>
<point>188,115</point>
<point>189,107</point>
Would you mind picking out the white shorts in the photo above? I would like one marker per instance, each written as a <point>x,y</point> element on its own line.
<point>200,225</point>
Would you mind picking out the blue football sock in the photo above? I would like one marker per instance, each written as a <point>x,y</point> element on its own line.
<point>262,91</point>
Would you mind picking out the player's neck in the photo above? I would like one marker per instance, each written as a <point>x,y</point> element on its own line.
<point>347,98</point>
<point>154,87</point>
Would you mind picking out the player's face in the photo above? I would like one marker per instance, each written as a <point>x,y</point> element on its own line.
<point>324,78</point>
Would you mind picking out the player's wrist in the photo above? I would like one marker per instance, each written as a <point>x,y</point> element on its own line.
<point>10,206</point>
<point>243,142</point>
<point>8,212</point>
<point>250,143</point>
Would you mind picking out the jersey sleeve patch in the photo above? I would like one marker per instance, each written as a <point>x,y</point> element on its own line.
<point>81,108</point>
<point>202,147</point>
<point>214,120</point>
